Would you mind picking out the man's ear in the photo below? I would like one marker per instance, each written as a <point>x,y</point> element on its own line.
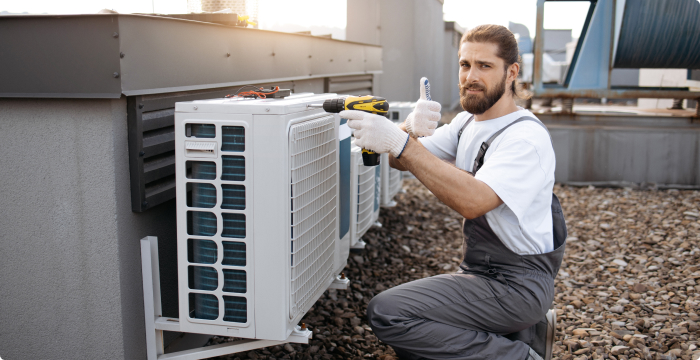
<point>513,71</point>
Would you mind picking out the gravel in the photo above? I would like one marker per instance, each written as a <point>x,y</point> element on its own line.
<point>628,287</point>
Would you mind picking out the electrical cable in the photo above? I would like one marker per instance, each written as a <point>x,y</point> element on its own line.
<point>260,93</point>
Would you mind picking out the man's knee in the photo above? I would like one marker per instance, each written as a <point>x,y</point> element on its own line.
<point>379,311</point>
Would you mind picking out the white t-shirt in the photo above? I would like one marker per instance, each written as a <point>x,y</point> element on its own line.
<point>518,166</point>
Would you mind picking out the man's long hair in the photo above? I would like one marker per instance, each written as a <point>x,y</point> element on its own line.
<point>507,50</point>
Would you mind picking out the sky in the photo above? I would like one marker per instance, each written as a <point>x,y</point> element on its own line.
<point>315,14</point>
<point>557,15</point>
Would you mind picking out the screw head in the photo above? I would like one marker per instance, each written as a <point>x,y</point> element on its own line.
<point>273,53</point>
<point>121,55</point>
<point>140,106</point>
<point>195,108</point>
<point>115,35</point>
<point>142,153</point>
<point>267,109</point>
<point>228,54</point>
<point>116,74</point>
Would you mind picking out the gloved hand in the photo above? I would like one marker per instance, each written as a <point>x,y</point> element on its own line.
<point>376,132</point>
<point>424,119</point>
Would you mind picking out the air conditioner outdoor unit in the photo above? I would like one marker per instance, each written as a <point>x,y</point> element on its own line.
<point>258,212</point>
<point>399,110</point>
<point>391,180</point>
<point>365,187</point>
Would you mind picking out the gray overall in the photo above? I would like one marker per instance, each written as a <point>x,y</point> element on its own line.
<point>487,310</point>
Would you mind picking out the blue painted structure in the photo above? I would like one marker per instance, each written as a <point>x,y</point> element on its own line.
<point>628,34</point>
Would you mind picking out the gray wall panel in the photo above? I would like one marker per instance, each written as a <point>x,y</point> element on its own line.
<point>411,33</point>
<point>105,56</point>
<point>52,56</point>
<point>166,55</point>
<point>637,153</point>
<point>71,274</point>
<point>60,272</point>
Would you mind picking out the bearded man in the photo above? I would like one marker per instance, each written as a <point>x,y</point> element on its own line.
<point>493,164</point>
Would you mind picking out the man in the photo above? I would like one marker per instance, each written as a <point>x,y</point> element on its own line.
<point>497,171</point>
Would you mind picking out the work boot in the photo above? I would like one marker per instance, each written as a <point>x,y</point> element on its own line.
<point>544,337</point>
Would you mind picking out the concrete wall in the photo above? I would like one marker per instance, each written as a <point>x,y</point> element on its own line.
<point>363,23</point>
<point>71,273</point>
<point>624,77</point>
<point>555,41</point>
<point>411,33</point>
<point>450,69</point>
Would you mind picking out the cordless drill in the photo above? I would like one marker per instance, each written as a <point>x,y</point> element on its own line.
<point>367,103</point>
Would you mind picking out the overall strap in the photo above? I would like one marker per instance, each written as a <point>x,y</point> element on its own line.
<point>524,118</point>
<point>459,134</point>
<point>479,161</point>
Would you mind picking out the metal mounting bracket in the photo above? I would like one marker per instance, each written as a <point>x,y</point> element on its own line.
<point>359,245</point>
<point>390,204</point>
<point>340,283</point>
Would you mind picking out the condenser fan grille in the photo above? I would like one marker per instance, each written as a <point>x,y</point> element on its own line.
<point>205,219</point>
<point>313,168</point>
<point>233,138</point>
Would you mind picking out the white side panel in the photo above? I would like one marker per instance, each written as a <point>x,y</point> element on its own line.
<point>385,195</point>
<point>272,208</point>
<point>355,163</point>
<point>367,187</point>
<point>342,250</point>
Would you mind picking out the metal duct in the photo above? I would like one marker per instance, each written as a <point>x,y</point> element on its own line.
<point>660,34</point>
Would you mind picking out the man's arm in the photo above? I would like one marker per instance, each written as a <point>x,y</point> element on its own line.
<point>456,188</point>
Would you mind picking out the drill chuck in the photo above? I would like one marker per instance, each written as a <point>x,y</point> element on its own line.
<point>334,105</point>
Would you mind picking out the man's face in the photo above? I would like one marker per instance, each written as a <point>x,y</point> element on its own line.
<point>482,77</point>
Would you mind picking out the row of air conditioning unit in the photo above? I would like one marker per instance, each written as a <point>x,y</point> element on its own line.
<point>271,196</point>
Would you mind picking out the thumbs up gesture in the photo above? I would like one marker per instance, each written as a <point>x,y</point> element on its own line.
<point>424,119</point>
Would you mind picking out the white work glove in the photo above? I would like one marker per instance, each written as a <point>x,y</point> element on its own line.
<point>424,119</point>
<point>376,132</point>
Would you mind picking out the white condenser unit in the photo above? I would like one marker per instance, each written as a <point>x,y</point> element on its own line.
<point>391,180</point>
<point>399,110</point>
<point>365,185</point>
<point>260,212</point>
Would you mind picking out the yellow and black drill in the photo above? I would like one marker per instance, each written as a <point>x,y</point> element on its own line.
<point>367,103</point>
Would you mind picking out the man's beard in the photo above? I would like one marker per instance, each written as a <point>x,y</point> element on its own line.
<point>479,103</point>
